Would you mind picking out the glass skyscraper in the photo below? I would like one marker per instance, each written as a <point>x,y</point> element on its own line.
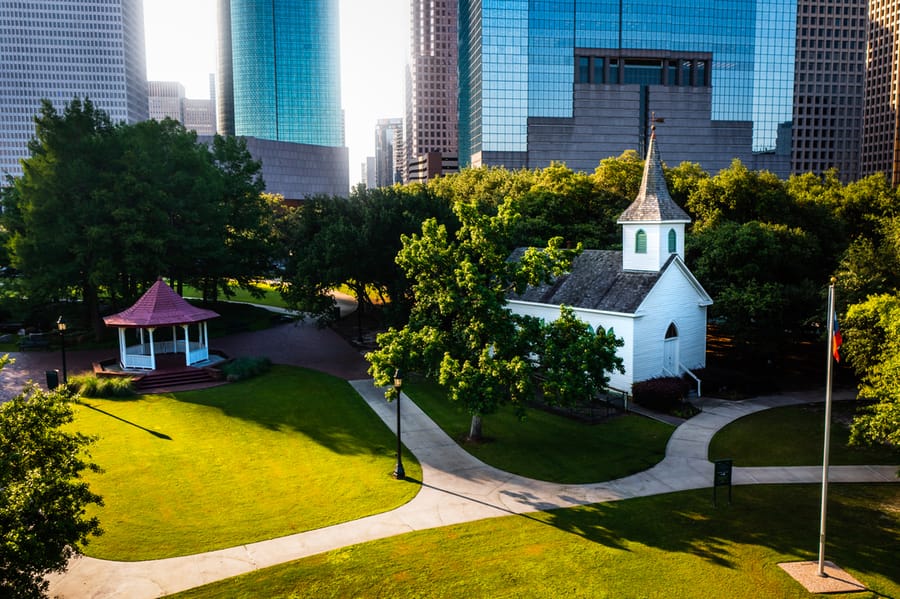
<point>63,49</point>
<point>283,67</point>
<point>519,60</point>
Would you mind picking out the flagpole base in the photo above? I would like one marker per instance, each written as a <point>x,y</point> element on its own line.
<point>832,580</point>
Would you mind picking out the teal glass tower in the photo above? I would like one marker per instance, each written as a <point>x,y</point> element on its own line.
<point>522,61</point>
<point>279,61</point>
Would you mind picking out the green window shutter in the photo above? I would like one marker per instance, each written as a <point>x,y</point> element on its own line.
<point>640,242</point>
<point>673,241</point>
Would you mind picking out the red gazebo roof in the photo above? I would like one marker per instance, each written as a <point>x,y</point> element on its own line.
<point>159,306</point>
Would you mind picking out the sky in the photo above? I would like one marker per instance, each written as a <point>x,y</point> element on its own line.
<point>180,37</point>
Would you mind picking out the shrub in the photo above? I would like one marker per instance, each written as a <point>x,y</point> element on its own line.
<point>245,368</point>
<point>664,394</point>
<point>90,385</point>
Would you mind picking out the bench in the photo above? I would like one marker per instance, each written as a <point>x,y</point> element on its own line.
<point>34,342</point>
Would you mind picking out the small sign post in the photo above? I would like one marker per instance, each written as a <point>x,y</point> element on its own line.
<point>722,477</point>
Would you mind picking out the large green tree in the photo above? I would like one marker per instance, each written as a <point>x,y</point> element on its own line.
<point>758,274</point>
<point>575,361</point>
<point>104,210</point>
<point>42,495</point>
<point>872,346</point>
<point>60,227</point>
<point>460,329</point>
<point>563,203</point>
<point>240,236</point>
<point>334,242</point>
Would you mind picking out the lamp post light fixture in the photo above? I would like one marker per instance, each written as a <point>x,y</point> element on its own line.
<point>399,472</point>
<point>61,325</point>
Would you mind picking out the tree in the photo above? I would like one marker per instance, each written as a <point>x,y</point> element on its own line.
<point>621,176</point>
<point>42,496</point>
<point>60,227</point>
<point>575,361</point>
<point>761,279</point>
<point>740,195</point>
<point>333,242</point>
<point>460,328</point>
<point>240,239</point>
<point>563,203</point>
<point>872,347</point>
<point>107,209</point>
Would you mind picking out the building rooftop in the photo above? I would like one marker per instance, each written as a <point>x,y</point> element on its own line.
<point>596,281</point>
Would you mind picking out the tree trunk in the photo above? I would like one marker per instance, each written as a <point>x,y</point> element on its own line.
<point>475,428</point>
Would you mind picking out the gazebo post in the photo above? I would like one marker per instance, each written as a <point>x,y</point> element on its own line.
<point>152,350</point>
<point>123,348</point>
<point>187,345</point>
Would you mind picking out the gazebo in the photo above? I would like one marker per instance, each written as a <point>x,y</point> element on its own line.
<point>161,307</point>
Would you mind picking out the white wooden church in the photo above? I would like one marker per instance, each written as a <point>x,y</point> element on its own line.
<point>645,293</point>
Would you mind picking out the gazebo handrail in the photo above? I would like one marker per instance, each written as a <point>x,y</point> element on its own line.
<point>162,347</point>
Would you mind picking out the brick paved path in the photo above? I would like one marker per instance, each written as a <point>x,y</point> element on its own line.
<point>299,344</point>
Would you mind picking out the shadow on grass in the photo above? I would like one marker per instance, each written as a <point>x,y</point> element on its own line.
<point>128,422</point>
<point>863,528</point>
<point>324,408</point>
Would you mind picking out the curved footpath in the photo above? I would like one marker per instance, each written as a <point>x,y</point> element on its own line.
<point>456,488</point>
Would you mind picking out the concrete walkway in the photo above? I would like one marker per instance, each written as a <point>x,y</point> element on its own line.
<point>456,488</point>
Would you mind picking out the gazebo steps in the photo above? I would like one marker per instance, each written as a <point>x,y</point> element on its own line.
<point>174,379</point>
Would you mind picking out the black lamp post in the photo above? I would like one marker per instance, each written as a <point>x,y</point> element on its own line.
<point>61,325</point>
<point>399,472</point>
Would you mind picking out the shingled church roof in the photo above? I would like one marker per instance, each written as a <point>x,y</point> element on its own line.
<point>653,202</point>
<point>596,281</point>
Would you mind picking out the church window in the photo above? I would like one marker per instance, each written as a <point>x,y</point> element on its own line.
<point>672,331</point>
<point>640,242</point>
<point>673,241</point>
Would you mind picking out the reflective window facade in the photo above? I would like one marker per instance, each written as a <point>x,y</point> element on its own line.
<point>64,49</point>
<point>286,70</point>
<point>520,59</point>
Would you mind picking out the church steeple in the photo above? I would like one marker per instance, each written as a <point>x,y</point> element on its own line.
<point>653,225</point>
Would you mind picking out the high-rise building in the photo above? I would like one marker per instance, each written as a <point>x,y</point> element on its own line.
<point>67,49</point>
<point>388,136</point>
<point>279,87</point>
<point>199,115</point>
<point>279,70</point>
<point>829,87</point>
<point>431,84</point>
<point>368,172</point>
<point>580,81</point>
<point>880,146</point>
<point>166,99</point>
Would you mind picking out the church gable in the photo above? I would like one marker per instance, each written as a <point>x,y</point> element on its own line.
<point>689,290</point>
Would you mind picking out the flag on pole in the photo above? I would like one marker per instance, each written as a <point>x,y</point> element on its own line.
<point>837,340</point>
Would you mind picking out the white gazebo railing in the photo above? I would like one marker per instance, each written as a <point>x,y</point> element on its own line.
<point>142,356</point>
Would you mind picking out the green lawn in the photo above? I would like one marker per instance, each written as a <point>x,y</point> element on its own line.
<point>271,295</point>
<point>674,545</point>
<point>549,447</point>
<point>286,452</point>
<point>794,436</point>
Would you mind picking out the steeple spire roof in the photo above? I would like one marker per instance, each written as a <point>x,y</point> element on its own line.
<point>653,202</point>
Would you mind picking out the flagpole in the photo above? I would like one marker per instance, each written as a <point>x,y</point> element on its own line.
<point>821,570</point>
